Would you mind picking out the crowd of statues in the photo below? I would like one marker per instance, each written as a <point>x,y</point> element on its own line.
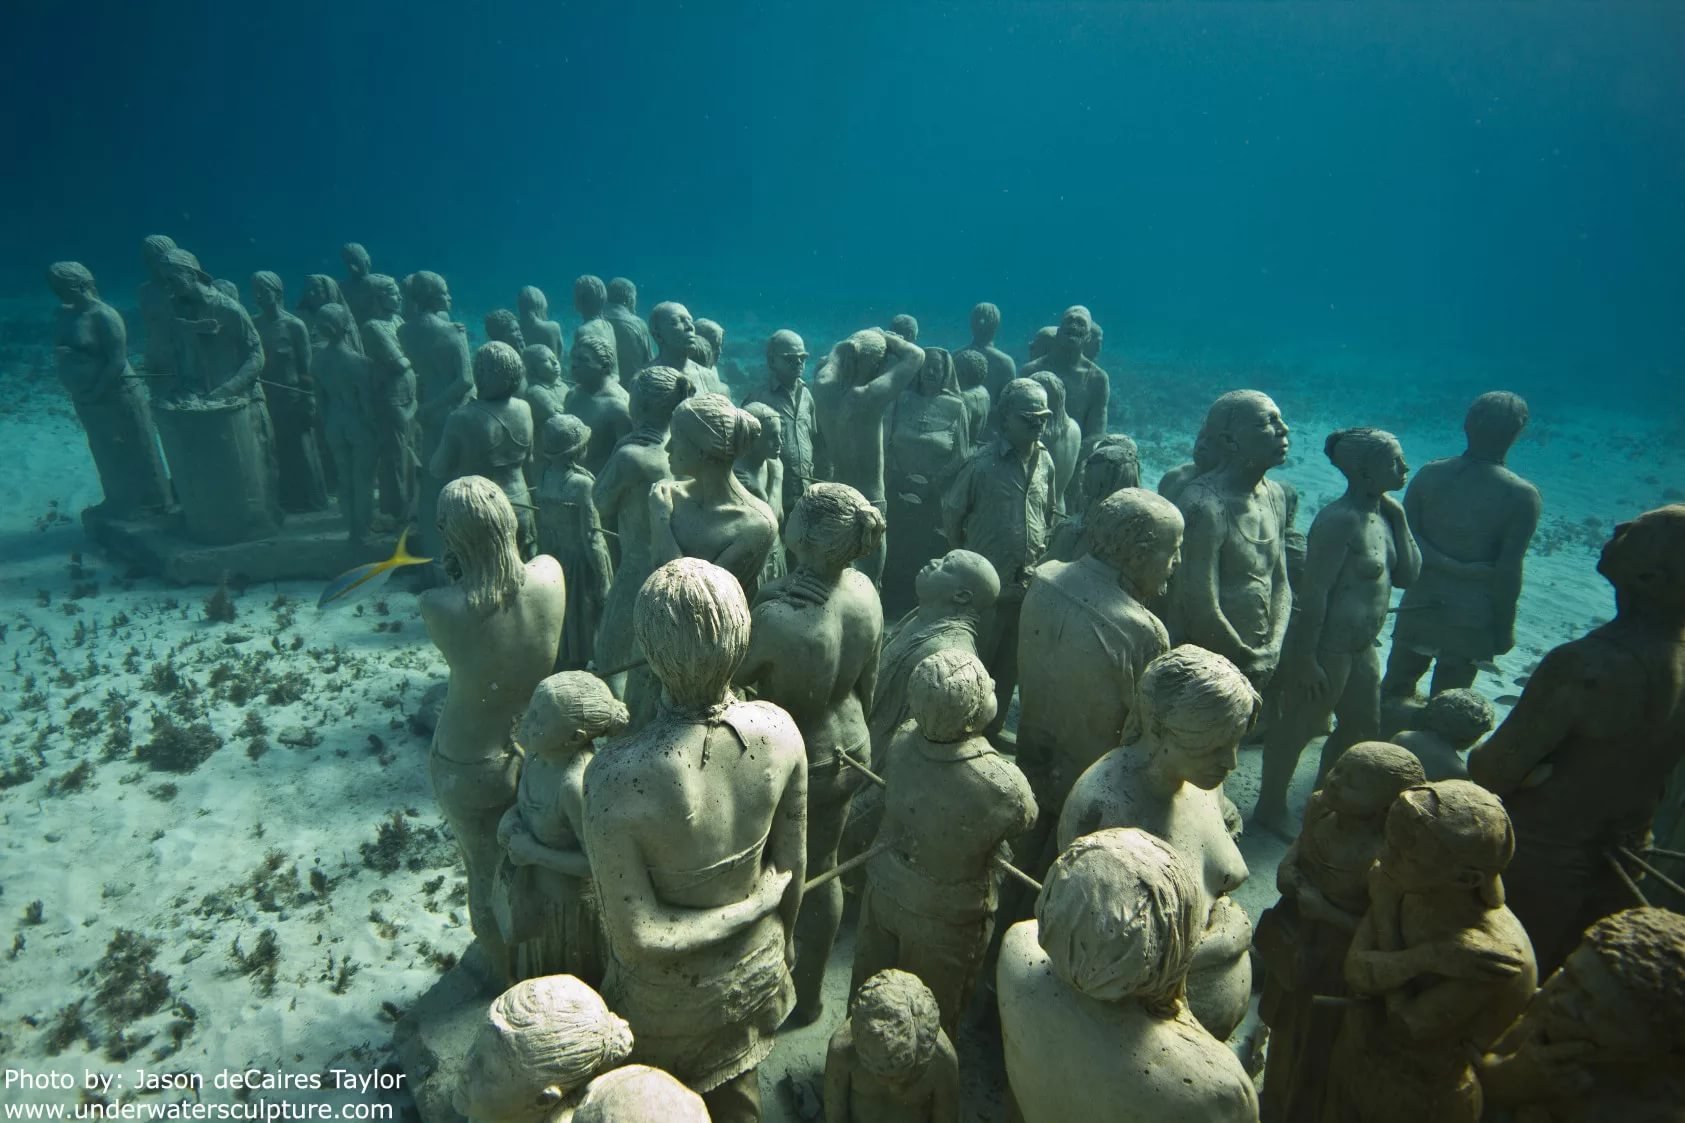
<point>714,661</point>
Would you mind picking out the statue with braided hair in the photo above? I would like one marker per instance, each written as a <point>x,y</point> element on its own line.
<point>291,395</point>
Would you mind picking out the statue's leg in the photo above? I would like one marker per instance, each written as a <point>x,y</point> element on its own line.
<point>1451,673</point>
<point>738,1100</point>
<point>828,797</point>
<point>1357,714</point>
<point>1300,719</point>
<point>876,948</point>
<point>1001,654</point>
<point>948,960</point>
<point>1405,669</point>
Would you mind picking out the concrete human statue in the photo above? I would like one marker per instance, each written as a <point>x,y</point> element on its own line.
<point>539,1047</point>
<point>544,896</point>
<point>545,394</point>
<point>890,1061</point>
<point>950,805</point>
<point>905,326</point>
<point>1604,1037</point>
<point>999,367</point>
<point>1088,389</point>
<point>786,393</point>
<point>503,326</point>
<point>90,344</point>
<point>1001,505</point>
<point>1093,1010</point>
<point>971,371</point>
<point>289,391</point>
<point>621,495</point>
<point>640,1094</point>
<point>696,828</point>
<point>498,625</point>
<point>1445,966</point>
<point>1041,343</point>
<point>217,354</point>
<point>321,290</point>
<point>761,471</point>
<point>360,296</point>
<point>1087,637</point>
<point>1114,463</point>
<point>1473,519</point>
<point>1062,438</point>
<point>1359,550</point>
<point>570,531</point>
<point>814,651</point>
<point>1301,941</point>
<point>1192,707</point>
<point>1445,729</point>
<point>703,510</point>
<point>157,317</point>
<point>927,437</point>
<point>597,397</point>
<point>1206,458</point>
<point>532,308</point>
<point>491,435</point>
<point>344,378</point>
<point>590,300</point>
<point>437,348</point>
<point>1096,341</point>
<point>632,342</point>
<point>397,456</point>
<point>713,334</point>
<point>674,332</point>
<point>1231,595</point>
<point>1583,759</point>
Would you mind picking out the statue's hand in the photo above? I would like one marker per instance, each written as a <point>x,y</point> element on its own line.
<point>661,498</point>
<point>1464,961</point>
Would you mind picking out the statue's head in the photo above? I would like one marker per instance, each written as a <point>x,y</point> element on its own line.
<point>1071,336</point>
<point>320,290</point>
<point>334,322</point>
<point>906,327</point>
<point>1119,917</point>
<point>971,369</point>
<point>1460,716</point>
<point>71,282</point>
<point>858,359</point>
<point>1368,777</point>
<point>985,323</point>
<point>715,335</point>
<point>541,365</point>
<point>1041,343</point>
<point>624,293</point>
<point>498,371</point>
<point>1054,387</point>
<point>267,289</point>
<point>1096,339</point>
<point>430,292</point>
<point>356,259</point>
<point>1452,834</point>
<point>531,301</point>
<point>1139,534</point>
<point>569,711</point>
<point>1023,413</point>
<point>831,527</point>
<point>1645,561</point>
<point>542,1039</point>
<point>1493,422</point>
<point>1113,463</point>
<point>1372,460</point>
<point>387,297</point>
<point>589,296</point>
<point>477,525</point>
<point>640,1094</point>
<point>655,393</point>
<point>895,1024</point>
<point>709,429</point>
<point>503,326</point>
<point>786,357</point>
<point>937,373</point>
<point>1245,427</point>
<point>153,249</point>
<point>181,273</point>
<point>692,622</point>
<point>1192,708</point>
<point>771,442</point>
<point>565,437</point>
<point>671,325</point>
<point>1622,990</point>
<point>951,695</point>
<point>960,583</point>
<point>594,358</point>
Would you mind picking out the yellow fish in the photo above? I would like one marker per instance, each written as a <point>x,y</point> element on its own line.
<point>369,576</point>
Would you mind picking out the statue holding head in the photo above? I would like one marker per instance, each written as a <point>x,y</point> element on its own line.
<point>786,394</point>
<point>999,369</point>
<point>344,378</point>
<point>490,435</point>
<point>1093,1004</point>
<point>533,309</point>
<point>1088,388</point>
<point>1192,707</point>
<point>891,1061</point>
<point>674,332</point>
<point>395,384</point>
<point>633,345</point>
<point>437,348</point>
<point>696,830</point>
<point>1112,464</point>
<point>290,393</point>
<point>927,439</point>
<point>1473,519</point>
<point>360,296</point>
<point>570,531</point>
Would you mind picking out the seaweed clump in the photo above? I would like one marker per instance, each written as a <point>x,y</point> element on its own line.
<point>386,853</point>
<point>219,606</point>
<point>261,962</point>
<point>127,986</point>
<point>178,748</point>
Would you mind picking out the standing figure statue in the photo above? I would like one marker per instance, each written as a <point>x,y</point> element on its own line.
<point>906,326</point>
<point>597,397</point>
<point>570,531</point>
<point>696,828</point>
<point>675,337</point>
<point>1062,438</point>
<point>927,439</point>
<point>545,395</point>
<point>360,295</point>
<point>533,307</point>
<point>437,347</point>
<point>762,472</point>
<point>590,299</point>
<point>1113,464</point>
<point>396,456</point>
<point>1088,389</point>
<point>1360,549</point>
<point>1473,519</point>
<point>970,371</point>
<point>998,365</point>
<point>498,625</point>
<point>786,393</point>
<point>290,392</point>
<point>91,345</point>
<point>321,290</point>
<point>157,317</point>
<point>814,651</point>
<point>632,342</point>
<point>712,333</point>
<point>490,435</point>
<point>344,377</point>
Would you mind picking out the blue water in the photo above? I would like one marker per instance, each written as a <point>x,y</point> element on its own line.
<point>1428,180</point>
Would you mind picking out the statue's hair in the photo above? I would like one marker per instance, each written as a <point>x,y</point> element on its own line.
<point>713,333</point>
<point>1647,556</point>
<point>600,346</point>
<point>1225,413</point>
<point>1460,716</point>
<point>984,582</point>
<point>640,1094</point>
<point>942,361</point>
<point>1130,522</point>
<point>1054,387</point>
<point>498,370</point>
<point>701,351</point>
<point>720,430</point>
<point>623,292</point>
<point>356,250</point>
<point>1352,450</point>
<point>589,295</point>
<point>838,520</point>
<point>571,704</point>
<point>1455,826</point>
<point>666,308</point>
<point>504,326</point>
<point>898,1015</point>
<point>478,526</point>
<point>1042,341</point>
<point>866,349</point>
<point>970,369</point>
<point>765,414</point>
<point>559,1030</point>
<point>565,435</point>
<point>320,290</point>
<point>383,284</point>
<point>1119,917</point>
<point>74,276</point>
<point>1189,690</point>
<point>782,335</point>
<point>1498,413</point>
<point>184,259</point>
<point>985,319</point>
<point>1644,949</point>
<point>691,622</point>
<point>950,695</point>
<point>335,319</point>
<point>267,281</point>
<point>657,391</point>
<point>531,298</point>
<point>1113,463</point>
<point>153,247</point>
<point>1384,761</point>
<point>906,326</point>
<point>427,286</point>
<point>1078,310</point>
<point>533,356</point>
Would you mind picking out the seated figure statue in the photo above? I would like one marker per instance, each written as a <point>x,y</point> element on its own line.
<point>1093,1009</point>
<point>490,435</point>
<point>890,1061</point>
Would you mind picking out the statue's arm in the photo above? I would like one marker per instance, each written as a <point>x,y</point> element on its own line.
<point>787,842</point>
<point>1415,518</point>
<point>1507,570</point>
<point>114,350</point>
<point>956,504</point>
<point>902,362</point>
<point>1407,564</point>
<point>839,1076</point>
<point>1326,550</point>
<point>866,686</point>
<point>663,543</point>
<point>443,466</point>
<point>1547,715</point>
<point>607,491</point>
<point>1093,419</point>
<point>245,376</point>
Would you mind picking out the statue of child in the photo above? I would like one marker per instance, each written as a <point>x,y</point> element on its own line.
<point>571,531</point>
<point>890,1061</point>
<point>1445,729</point>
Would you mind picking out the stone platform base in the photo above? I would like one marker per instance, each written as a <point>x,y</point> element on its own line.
<point>309,547</point>
<point>433,1037</point>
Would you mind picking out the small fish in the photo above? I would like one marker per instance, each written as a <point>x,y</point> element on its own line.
<point>909,498</point>
<point>369,576</point>
<point>914,477</point>
<point>1488,666</point>
<point>1508,699</point>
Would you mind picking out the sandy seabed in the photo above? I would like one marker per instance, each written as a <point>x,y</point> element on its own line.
<point>277,905</point>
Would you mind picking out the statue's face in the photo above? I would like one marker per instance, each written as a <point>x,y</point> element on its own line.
<point>1151,568</point>
<point>1260,437</point>
<point>181,281</point>
<point>1358,792</point>
<point>675,331</point>
<point>492,1088</point>
<point>945,581</point>
<point>1388,470</point>
<point>547,369</point>
<point>1023,429</point>
<point>771,440</point>
<point>683,456</point>
<point>1205,759</point>
<point>357,263</point>
<point>1072,334</point>
<point>389,300</point>
<point>439,301</point>
<point>786,358</point>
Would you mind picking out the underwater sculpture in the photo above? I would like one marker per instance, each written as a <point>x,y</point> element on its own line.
<point>1041,343</point>
<point>1112,464</point>
<point>632,342</point>
<point>1445,965</point>
<point>890,1061</point>
<point>1093,1011</point>
<point>1001,505</point>
<point>590,299</point>
<point>674,333</point>
<point>640,1094</point>
<point>498,625</point>
<point>1192,707</point>
<point>712,333</point>
<point>321,290</point>
<point>532,308</point>
<point>291,397</point>
<point>1088,389</point>
<point>762,472</point>
<point>851,395</point>
<point>1231,595</point>
<point>1206,458</point>
<point>490,435</point>
<point>927,437</point>
<point>598,398</point>
<point>1473,519</point>
<point>905,326</point>
<point>359,294</point>
<point>1603,1038</point>
<point>570,531</point>
<point>970,371</point>
<point>697,836</point>
<point>437,348</point>
<point>1583,759</point>
<point>545,394</point>
<point>1096,341</point>
<point>1359,550</point>
<point>1086,637</point>
<point>345,381</point>
<point>814,651</point>
<point>503,326</point>
<point>91,347</point>
<point>999,367</point>
<point>545,899</point>
<point>1445,729</point>
<point>786,393</point>
<point>396,456</point>
<point>1062,438</point>
<point>1302,939</point>
<point>950,803</point>
<point>703,510</point>
<point>157,317</point>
